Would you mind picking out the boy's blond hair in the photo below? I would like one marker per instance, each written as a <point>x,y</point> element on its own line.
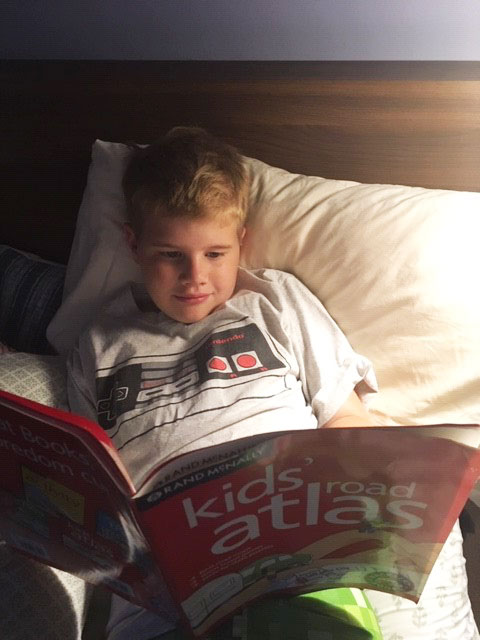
<point>187,173</point>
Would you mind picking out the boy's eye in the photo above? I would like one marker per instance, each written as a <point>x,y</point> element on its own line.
<point>178,255</point>
<point>171,255</point>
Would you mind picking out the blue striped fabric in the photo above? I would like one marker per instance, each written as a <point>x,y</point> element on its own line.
<point>30,293</point>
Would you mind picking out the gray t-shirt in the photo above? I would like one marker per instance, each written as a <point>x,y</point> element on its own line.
<point>270,359</point>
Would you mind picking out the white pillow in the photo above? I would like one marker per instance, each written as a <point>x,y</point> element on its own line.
<point>99,262</point>
<point>395,266</point>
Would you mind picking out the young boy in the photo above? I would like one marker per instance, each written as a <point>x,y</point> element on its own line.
<point>204,351</point>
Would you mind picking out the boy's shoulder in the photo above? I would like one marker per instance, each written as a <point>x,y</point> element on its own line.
<point>119,309</point>
<point>265,275</point>
<point>270,282</point>
<point>283,289</point>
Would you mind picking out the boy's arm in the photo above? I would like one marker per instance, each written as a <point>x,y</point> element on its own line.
<point>352,414</point>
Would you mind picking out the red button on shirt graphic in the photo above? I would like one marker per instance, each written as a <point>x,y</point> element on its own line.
<point>247,360</point>
<point>217,364</point>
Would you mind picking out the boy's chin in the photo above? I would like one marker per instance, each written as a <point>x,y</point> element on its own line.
<point>189,316</point>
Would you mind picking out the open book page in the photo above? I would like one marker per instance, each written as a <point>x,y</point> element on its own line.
<point>21,420</point>
<point>65,500</point>
<point>301,511</point>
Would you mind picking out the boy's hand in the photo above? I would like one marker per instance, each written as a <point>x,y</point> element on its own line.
<point>351,414</point>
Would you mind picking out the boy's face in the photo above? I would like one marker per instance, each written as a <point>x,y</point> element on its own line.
<point>189,266</point>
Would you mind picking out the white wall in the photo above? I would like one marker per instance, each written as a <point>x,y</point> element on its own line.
<point>241,29</point>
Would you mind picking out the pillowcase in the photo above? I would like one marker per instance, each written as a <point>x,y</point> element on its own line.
<point>99,262</point>
<point>30,294</point>
<point>394,265</point>
<point>37,601</point>
<point>36,377</point>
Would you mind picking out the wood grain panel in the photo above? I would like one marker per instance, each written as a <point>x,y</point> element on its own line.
<point>393,122</point>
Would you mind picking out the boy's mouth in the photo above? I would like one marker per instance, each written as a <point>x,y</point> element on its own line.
<point>193,299</point>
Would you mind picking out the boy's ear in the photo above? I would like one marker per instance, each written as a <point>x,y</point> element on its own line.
<point>131,240</point>
<point>242,235</point>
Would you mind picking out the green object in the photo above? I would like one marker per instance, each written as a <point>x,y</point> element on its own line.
<point>330,614</point>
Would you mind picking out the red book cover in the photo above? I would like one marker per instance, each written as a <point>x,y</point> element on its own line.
<point>217,528</point>
<point>298,512</point>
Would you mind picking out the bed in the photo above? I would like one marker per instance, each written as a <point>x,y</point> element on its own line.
<point>365,183</point>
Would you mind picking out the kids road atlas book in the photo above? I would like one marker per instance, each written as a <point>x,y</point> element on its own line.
<point>212,530</point>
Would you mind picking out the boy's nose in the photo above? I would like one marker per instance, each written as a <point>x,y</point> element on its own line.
<point>194,271</point>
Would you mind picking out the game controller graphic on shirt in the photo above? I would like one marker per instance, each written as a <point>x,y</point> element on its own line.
<point>224,356</point>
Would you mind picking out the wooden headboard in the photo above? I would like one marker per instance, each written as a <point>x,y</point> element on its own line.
<point>414,123</point>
